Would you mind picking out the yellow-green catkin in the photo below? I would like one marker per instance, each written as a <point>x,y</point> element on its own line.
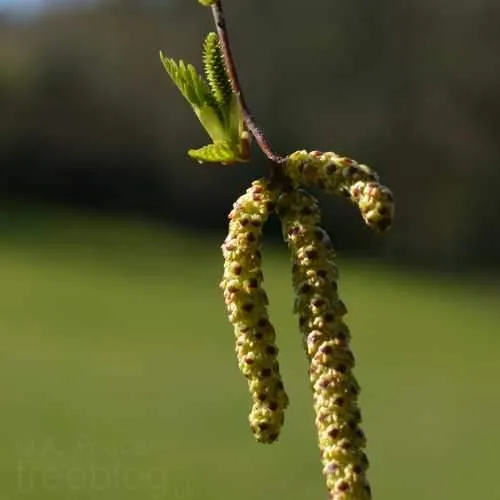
<point>342,175</point>
<point>326,341</point>
<point>246,303</point>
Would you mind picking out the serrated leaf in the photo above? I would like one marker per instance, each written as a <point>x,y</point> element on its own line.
<point>215,106</point>
<point>197,92</point>
<point>218,152</point>
<point>215,70</point>
<point>192,86</point>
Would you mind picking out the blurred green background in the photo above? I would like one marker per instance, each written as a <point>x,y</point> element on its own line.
<point>118,375</point>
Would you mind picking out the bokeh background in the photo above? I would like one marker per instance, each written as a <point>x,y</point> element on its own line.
<point>118,378</point>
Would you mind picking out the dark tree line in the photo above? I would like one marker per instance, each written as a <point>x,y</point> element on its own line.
<point>411,88</point>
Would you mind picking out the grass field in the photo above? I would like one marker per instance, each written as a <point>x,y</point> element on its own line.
<point>118,378</point>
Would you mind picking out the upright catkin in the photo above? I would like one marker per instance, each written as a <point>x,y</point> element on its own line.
<point>326,341</point>
<point>246,302</point>
<point>341,175</point>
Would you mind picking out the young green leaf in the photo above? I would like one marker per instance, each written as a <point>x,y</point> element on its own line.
<point>218,152</point>
<point>214,104</point>
<point>215,70</point>
<point>197,92</point>
<point>189,82</point>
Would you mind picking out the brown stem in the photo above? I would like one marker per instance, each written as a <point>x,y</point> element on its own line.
<point>252,126</point>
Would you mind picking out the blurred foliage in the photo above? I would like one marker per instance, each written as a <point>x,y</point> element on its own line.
<point>410,88</point>
<point>119,379</point>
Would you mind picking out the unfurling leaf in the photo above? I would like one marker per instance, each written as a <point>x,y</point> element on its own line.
<point>218,152</point>
<point>214,104</point>
<point>215,70</point>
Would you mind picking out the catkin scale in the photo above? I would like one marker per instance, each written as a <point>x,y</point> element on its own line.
<point>246,303</point>
<point>341,175</point>
<point>326,341</point>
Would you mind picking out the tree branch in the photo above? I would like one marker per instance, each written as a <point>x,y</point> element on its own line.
<point>252,126</point>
